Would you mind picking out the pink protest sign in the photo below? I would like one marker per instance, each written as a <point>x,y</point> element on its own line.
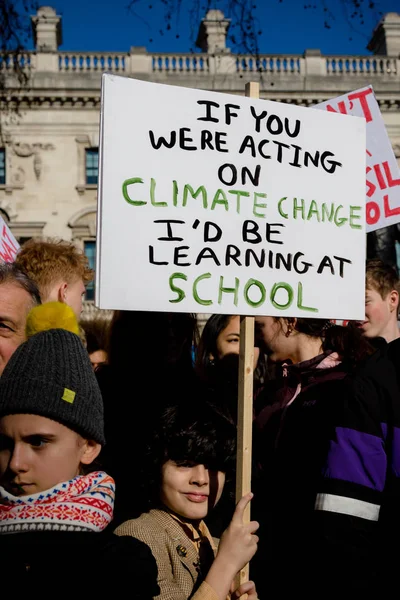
<point>382,170</point>
<point>8,244</point>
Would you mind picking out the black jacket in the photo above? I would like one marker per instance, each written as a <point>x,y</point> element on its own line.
<point>77,565</point>
<point>328,496</point>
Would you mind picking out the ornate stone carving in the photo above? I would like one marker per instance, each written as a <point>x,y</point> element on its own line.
<point>37,165</point>
<point>24,150</point>
<point>18,178</point>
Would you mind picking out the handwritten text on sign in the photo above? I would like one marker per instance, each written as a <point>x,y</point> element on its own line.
<point>383,173</point>
<point>8,244</point>
<point>217,203</point>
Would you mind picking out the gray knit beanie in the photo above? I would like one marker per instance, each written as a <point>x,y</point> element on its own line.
<point>50,375</point>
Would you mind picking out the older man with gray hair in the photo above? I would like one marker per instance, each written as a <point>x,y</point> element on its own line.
<point>18,294</point>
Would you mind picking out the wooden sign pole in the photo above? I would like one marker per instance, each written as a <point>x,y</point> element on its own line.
<point>245,399</point>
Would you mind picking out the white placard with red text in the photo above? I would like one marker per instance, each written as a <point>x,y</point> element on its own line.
<point>383,173</point>
<point>8,244</point>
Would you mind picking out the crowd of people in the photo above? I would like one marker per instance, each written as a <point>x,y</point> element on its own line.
<point>125,427</point>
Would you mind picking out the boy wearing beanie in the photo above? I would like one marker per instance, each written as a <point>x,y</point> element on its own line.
<point>51,431</point>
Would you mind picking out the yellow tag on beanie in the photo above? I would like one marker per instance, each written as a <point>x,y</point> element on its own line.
<point>68,395</point>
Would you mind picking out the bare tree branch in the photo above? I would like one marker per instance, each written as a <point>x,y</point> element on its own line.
<point>245,30</point>
<point>15,32</point>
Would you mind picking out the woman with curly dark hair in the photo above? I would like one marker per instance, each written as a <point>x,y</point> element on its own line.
<point>191,453</point>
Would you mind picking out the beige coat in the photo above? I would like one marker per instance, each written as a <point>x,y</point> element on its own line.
<point>174,552</point>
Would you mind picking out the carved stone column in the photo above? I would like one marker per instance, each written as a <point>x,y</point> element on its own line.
<point>386,37</point>
<point>46,25</point>
<point>212,33</point>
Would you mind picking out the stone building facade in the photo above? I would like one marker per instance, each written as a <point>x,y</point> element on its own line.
<point>49,145</point>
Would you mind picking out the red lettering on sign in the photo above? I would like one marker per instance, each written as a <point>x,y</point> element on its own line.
<point>8,250</point>
<point>341,107</point>
<point>362,97</point>
<point>379,176</point>
<point>392,182</point>
<point>370,185</point>
<point>9,240</point>
<point>6,253</point>
<point>389,212</point>
<point>373,213</point>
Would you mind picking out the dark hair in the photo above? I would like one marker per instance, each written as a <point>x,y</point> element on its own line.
<point>11,273</point>
<point>192,431</point>
<point>208,344</point>
<point>96,333</point>
<point>134,335</point>
<point>348,342</point>
<point>228,366</point>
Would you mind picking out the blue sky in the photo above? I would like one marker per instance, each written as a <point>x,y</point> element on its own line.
<point>90,25</point>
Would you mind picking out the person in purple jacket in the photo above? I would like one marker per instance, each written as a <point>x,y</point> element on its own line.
<point>326,453</point>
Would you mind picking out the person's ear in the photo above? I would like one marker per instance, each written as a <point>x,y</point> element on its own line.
<point>62,292</point>
<point>91,450</point>
<point>393,300</point>
<point>290,325</point>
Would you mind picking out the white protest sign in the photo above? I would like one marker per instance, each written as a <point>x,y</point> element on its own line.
<point>383,173</point>
<point>225,204</point>
<point>8,244</point>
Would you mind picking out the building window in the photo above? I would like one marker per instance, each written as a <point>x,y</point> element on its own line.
<point>92,165</point>
<point>90,251</point>
<point>2,166</point>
